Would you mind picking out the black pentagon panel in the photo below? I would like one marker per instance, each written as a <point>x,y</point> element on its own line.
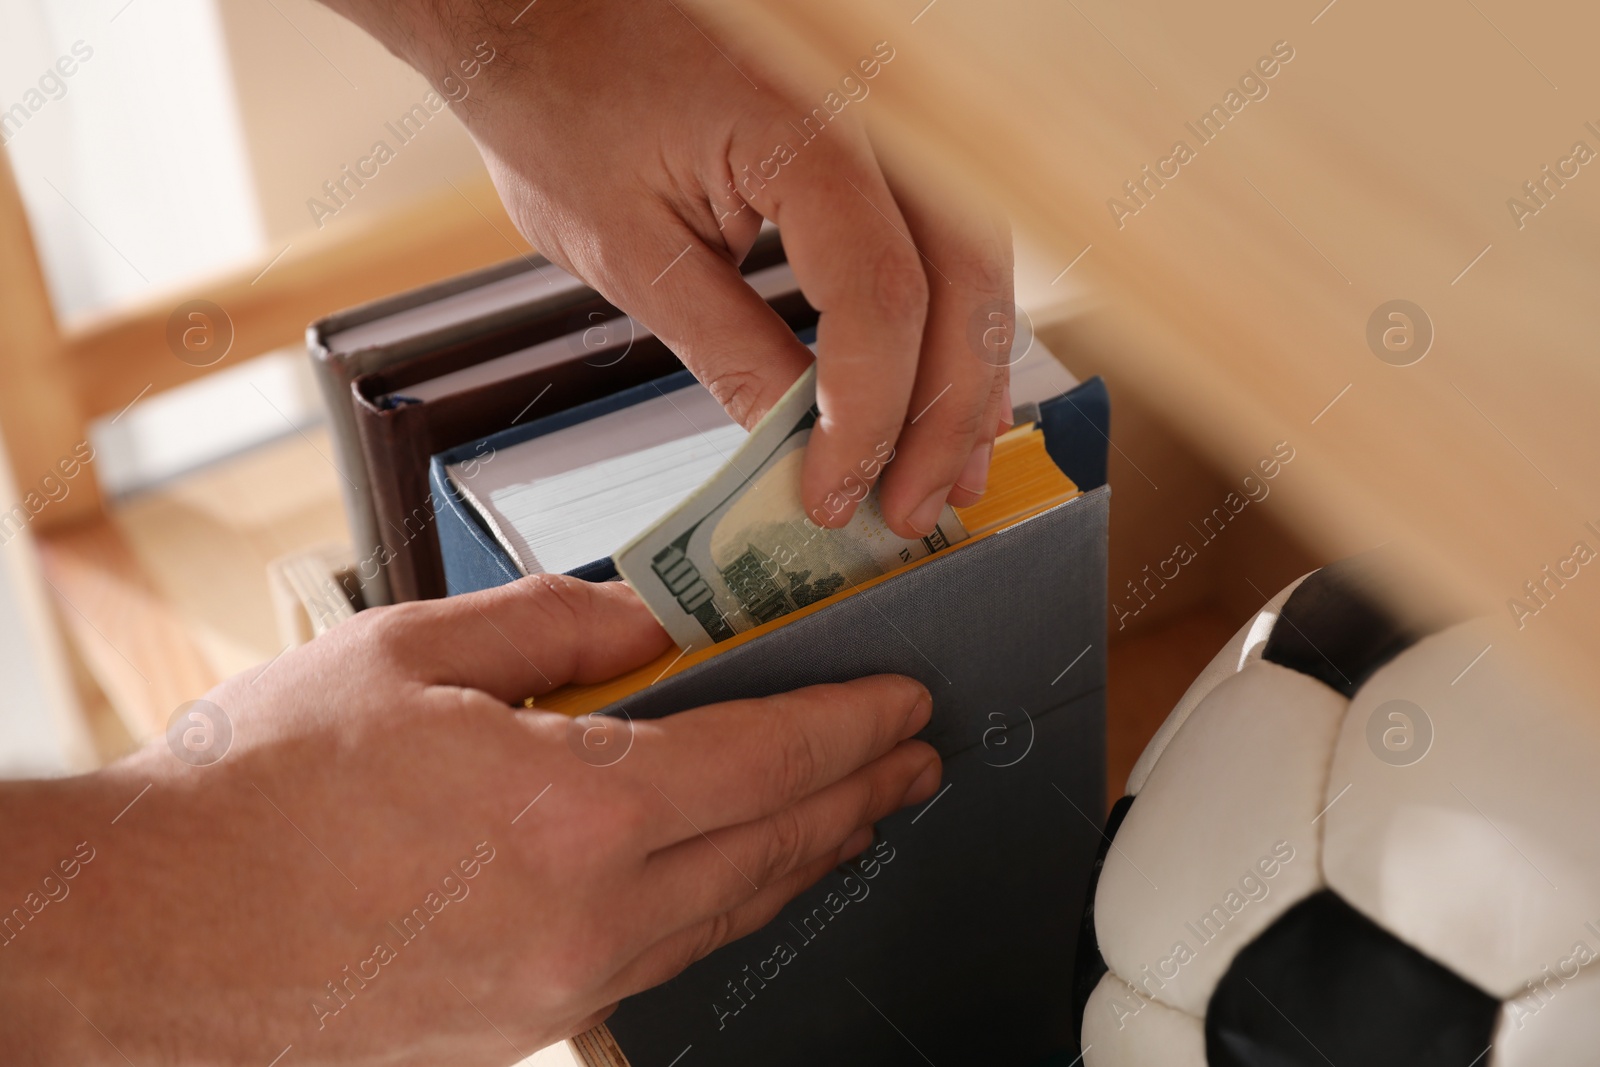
<point>1336,628</point>
<point>1090,965</point>
<point>1325,984</point>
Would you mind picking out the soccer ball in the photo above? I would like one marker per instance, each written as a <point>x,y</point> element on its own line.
<point>1358,840</point>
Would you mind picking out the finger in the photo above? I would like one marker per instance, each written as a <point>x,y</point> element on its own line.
<point>731,763</point>
<point>715,872</point>
<point>1007,414</point>
<point>998,414</point>
<point>669,956</point>
<point>688,291</point>
<point>529,636</point>
<point>973,481</point>
<point>852,255</point>
<point>944,450</point>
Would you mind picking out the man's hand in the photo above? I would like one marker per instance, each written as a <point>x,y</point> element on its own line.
<point>393,863</point>
<point>640,152</point>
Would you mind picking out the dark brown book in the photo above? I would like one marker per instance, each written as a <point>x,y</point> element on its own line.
<point>403,416</point>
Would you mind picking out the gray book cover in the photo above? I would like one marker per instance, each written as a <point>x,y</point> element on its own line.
<point>951,940</point>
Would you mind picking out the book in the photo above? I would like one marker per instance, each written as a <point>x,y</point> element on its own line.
<point>459,353</point>
<point>953,934</point>
<point>312,591</point>
<point>397,328</point>
<point>560,359</point>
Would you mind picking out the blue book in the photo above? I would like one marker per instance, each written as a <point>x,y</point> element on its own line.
<point>955,934</point>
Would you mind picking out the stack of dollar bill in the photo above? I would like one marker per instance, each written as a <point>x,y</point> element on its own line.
<point>741,550</point>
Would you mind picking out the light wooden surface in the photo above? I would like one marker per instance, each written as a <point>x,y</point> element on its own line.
<point>269,301</point>
<point>1378,166</point>
<point>206,538</point>
<point>132,640</point>
<point>40,413</point>
<point>167,595</point>
<point>59,376</point>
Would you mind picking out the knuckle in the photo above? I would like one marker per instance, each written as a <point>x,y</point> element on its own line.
<point>785,846</point>
<point>739,390</point>
<point>964,421</point>
<point>391,629</point>
<point>986,267</point>
<point>800,761</point>
<point>998,384</point>
<point>565,598</point>
<point>898,288</point>
<point>713,935</point>
<point>882,794</point>
<point>762,910</point>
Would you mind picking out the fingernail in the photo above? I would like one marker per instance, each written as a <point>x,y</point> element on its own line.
<point>924,787</point>
<point>975,475</point>
<point>923,711</point>
<point>1007,419</point>
<point>926,517</point>
<point>856,844</point>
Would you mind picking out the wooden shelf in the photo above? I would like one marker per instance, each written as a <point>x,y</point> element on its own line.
<point>166,594</point>
<point>1146,674</point>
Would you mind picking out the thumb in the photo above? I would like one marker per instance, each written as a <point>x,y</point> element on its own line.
<point>533,635</point>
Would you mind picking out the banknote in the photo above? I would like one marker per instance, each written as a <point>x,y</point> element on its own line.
<point>741,550</point>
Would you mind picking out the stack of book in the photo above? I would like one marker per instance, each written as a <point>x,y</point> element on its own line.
<point>513,422</point>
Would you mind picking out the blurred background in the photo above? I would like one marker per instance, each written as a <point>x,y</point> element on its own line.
<point>178,158</point>
<point>167,166</point>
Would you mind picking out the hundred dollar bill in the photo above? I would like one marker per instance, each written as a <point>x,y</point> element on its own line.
<point>741,551</point>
